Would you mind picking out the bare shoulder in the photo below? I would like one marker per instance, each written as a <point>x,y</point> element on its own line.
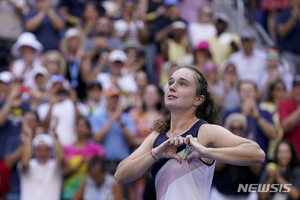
<point>217,136</point>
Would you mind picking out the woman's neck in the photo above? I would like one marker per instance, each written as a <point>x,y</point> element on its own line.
<point>181,123</point>
<point>81,141</point>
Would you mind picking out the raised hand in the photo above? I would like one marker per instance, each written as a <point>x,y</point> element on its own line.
<point>198,149</point>
<point>169,148</point>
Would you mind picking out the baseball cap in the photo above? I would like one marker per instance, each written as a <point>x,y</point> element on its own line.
<point>221,17</point>
<point>248,34</point>
<point>6,77</point>
<point>93,83</point>
<point>171,3</point>
<point>203,46</point>
<point>113,92</point>
<point>117,55</point>
<point>42,139</point>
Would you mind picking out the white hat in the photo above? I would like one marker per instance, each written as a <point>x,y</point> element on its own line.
<point>26,39</point>
<point>117,55</point>
<point>39,70</point>
<point>42,139</point>
<point>178,25</point>
<point>6,77</point>
<point>72,32</point>
<point>221,16</point>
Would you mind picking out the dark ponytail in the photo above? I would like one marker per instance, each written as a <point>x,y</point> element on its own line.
<point>207,111</point>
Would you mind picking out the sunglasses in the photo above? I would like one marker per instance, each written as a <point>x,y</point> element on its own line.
<point>273,57</point>
<point>236,128</point>
<point>53,62</point>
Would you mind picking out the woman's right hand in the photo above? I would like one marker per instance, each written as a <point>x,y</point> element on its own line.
<point>168,149</point>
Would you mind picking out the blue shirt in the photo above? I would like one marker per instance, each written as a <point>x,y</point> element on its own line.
<point>115,144</point>
<point>75,7</point>
<point>291,42</point>
<point>12,144</point>
<point>13,124</point>
<point>46,33</point>
<point>253,126</point>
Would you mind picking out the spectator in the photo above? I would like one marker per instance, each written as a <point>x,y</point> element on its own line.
<point>276,93</point>
<point>13,152</point>
<point>201,55</point>
<point>177,48</point>
<point>5,79</point>
<point>250,62</point>
<point>46,23</point>
<point>55,64</point>
<point>190,9</point>
<point>203,29</point>
<point>78,70</point>
<point>115,78</point>
<point>289,115</point>
<point>92,10</point>
<point>272,7</point>
<point>210,73</point>
<point>62,105</point>
<point>11,13</point>
<point>104,39</point>
<point>135,58</point>
<point>223,44</point>
<point>135,100</point>
<point>235,175</point>
<point>149,11</point>
<point>77,155</point>
<point>71,11</point>
<point>260,124</point>
<point>26,50</point>
<point>128,28</point>
<point>151,110</point>
<point>94,101</point>
<point>275,71</point>
<point>287,26</point>
<point>114,129</point>
<point>285,171</point>
<point>228,86</point>
<point>35,183</point>
<point>99,184</point>
<point>170,67</point>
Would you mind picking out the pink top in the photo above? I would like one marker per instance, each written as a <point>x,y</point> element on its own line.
<point>89,150</point>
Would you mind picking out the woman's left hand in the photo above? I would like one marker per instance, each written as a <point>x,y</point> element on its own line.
<point>198,150</point>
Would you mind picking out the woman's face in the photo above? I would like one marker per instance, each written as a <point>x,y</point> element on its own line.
<point>82,129</point>
<point>128,9</point>
<point>181,91</point>
<point>52,64</point>
<point>278,92</point>
<point>25,50</point>
<point>73,43</point>
<point>131,56</point>
<point>97,174</point>
<point>284,154</point>
<point>151,95</point>
<point>141,80</point>
<point>236,127</point>
<point>90,12</point>
<point>205,15</point>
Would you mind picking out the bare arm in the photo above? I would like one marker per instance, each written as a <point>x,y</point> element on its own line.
<point>26,153</point>
<point>33,23</point>
<point>60,153</point>
<point>291,121</point>
<point>45,123</point>
<point>294,192</point>
<point>100,135</point>
<point>158,37</point>
<point>268,128</point>
<point>227,147</point>
<point>127,134</point>
<point>117,192</point>
<point>79,193</point>
<point>56,21</point>
<point>11,159</point>
<point>16,7</point>
<point>285,29</point>
<point>137,163</point>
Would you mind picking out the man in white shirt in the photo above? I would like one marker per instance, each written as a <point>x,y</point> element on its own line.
<point>115,78</point>
<point>41,177</point>
<point>250,62</point>
<point>62,105</point>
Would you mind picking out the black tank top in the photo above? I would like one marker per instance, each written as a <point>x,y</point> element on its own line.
<point>163,137</point>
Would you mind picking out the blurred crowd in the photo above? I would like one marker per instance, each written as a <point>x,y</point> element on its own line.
<point>82,81</point>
